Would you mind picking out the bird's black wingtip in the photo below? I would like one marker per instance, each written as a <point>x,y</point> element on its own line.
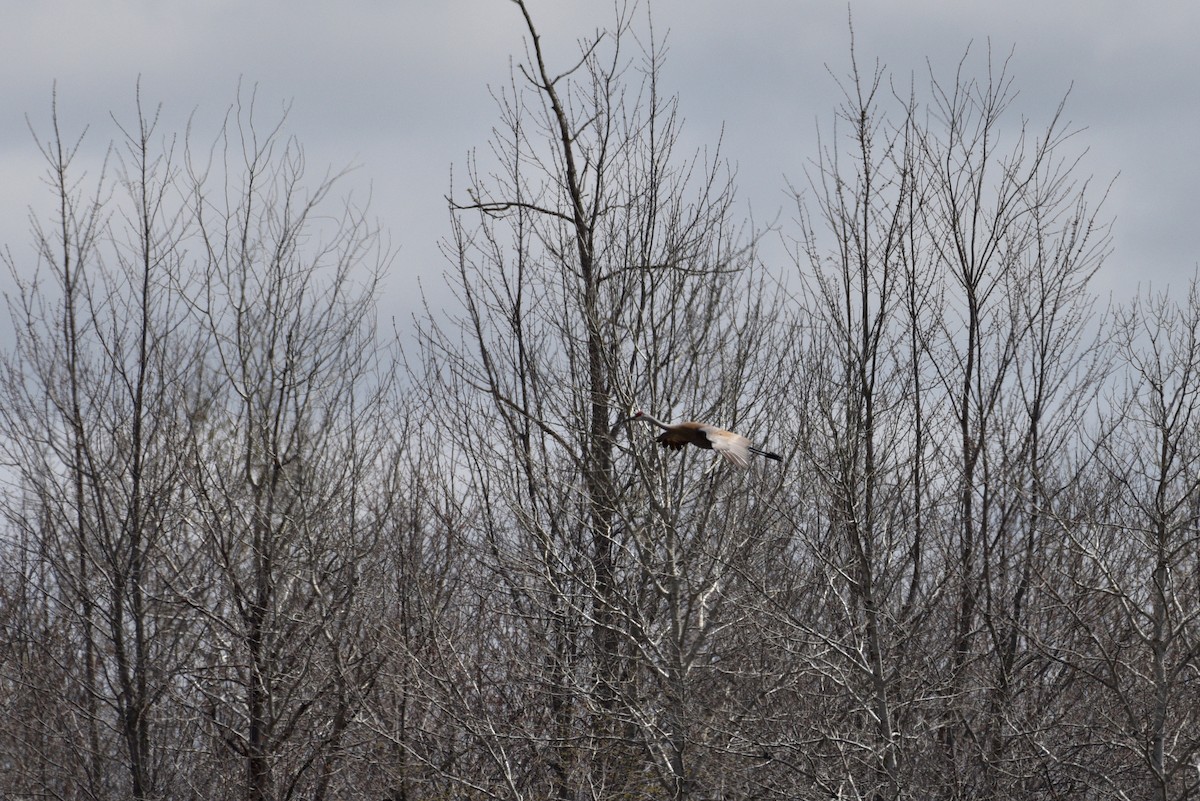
<point>766,454</point>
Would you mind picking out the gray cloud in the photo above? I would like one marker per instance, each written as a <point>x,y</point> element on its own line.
<point>401,90</point>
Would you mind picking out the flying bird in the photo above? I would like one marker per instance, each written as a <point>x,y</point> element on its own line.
<point>734,447</point>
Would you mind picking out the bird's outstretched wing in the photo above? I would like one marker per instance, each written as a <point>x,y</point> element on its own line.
<point>734,447</point>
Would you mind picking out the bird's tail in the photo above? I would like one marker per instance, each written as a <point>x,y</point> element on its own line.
<point>767,454</point>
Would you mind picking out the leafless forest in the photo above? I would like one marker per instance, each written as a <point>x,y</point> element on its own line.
<point>254,548</point>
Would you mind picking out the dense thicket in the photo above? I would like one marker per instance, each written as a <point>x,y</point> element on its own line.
<point>247,553</point>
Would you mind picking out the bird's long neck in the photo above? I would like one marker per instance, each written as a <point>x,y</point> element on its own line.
<point>655,420</point>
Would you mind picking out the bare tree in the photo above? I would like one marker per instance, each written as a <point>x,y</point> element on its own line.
<point>98,398</point>
<point>865,299</point>
<point>427,622</point>
<point>949,350</point>
<point>293,439</point>
<point>598,270</point>
<point>1012,227</point>
<point>196,449</point>
<point>1131,582</point>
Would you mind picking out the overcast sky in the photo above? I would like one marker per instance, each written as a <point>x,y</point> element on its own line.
<point>400,89</point>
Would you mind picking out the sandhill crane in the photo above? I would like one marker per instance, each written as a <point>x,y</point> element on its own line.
<point>734,447</point>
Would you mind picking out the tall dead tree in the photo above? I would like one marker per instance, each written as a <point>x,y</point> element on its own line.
<point>597,269</point>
